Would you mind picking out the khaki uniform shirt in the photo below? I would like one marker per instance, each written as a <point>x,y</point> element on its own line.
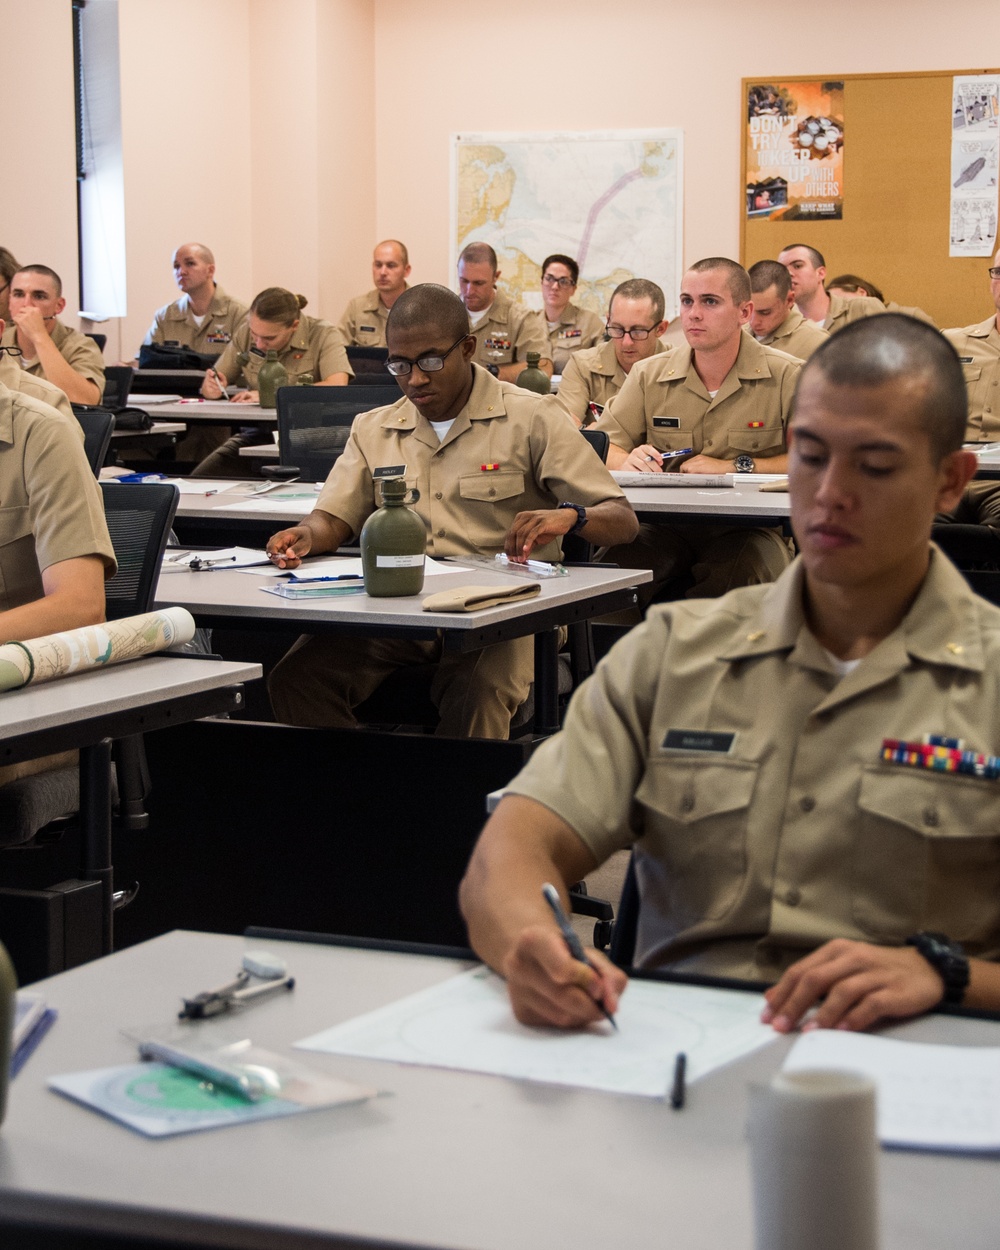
<point>363,322</point>
<point>796,336</point>
<point>508,332</point>
<point>978,349</point>
<point>467,507</point>
<point>843,311</point>
<point>80,352</point>
<point>892,306</point>
<point>979,505</point>
<point>175,323</point>
<point>578,328</point>
<point>593,376</point>
<point>753,850</point>
<point>314,348</point>
<point>664,403</point>
<point>17,379</point>
<point>50,504</point>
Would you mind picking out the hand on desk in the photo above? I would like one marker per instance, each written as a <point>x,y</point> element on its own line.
<point>534,529</point>
<point>288,548</point>
<point>707,464</point>
<point>861,984</point>
<point>548,986</point>
<point>214,385</point>
<point>246,397</point>
<point>644,459</point>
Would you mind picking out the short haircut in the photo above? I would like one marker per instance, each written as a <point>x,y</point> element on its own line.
<point>200,250</point>
<point>277,305</point>
<point>431,306</point>
<point>875,351</point>
<point>395,243</point>
<point>640,288</point>
<point>479,254</point>
<point>851,282</point>
<point>557,258</point>
<point>46,272</point>
<point>768,273</point>
<point>815,256</point>
<point>737,278</point>
<point>8,265</point>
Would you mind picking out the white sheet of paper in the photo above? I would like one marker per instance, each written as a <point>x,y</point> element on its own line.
<point>201,485</point>
<point>299,504</point>
<point>930,1097</point>
<point>229,559</point>
<point>141,401</point>
<point>466,1024</point>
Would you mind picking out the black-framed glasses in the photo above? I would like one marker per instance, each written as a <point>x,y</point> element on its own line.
<point>428,364</point>
<point>635,333</point>
<point>995,271</point>
<point>549,279</point>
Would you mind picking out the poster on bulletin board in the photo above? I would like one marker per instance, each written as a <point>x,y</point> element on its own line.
<point>795,151</point>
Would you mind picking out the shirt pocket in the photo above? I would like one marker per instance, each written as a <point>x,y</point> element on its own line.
<point>368,336</point>
<point>695,817</point>
<point>18,565</point>
<point>766,441</point>
<point>490,502</point>
<point>927,855</point>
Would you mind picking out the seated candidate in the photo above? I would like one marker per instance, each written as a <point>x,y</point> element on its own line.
<point>570,328</point>
<point>978,348</point>
<point>776,322</point>
<point>205,317</point>
<point>807,270</point>
<point>498,469</point>
<point>363,322</point>
<point>739,744</point>
<point>717,405</point>
<point>850,286</point>
<point>593,376</point>
<point>8,267</point>
<point>305,345</point>
<point>61,355</point>
<point>505,331</point>
<point>17,379</point>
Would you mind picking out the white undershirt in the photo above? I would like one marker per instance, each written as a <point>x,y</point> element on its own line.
<point>712,394</point>
<point>199,321</point>
<point>476,318</point>
<point>28,363</point>
<point>441,428</point>
<point>553,325</point>
<point>841,667</point>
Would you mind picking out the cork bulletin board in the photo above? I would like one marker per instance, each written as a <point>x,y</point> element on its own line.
<point>896,197</point>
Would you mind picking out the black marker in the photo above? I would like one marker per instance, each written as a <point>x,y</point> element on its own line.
<point>551,896</point>
<point>680,1082</point>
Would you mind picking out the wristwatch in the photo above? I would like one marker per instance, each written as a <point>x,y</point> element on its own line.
<point>948,960</point>
<point>745,464</point>
<point>581,516</point>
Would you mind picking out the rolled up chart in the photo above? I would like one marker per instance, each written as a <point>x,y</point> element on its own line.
<point>92,646</point>
<point>814,1160</point>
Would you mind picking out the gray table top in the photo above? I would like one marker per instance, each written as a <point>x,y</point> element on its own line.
<point>212,410</point>
<point>445,1159</point>
<point>301,497</point>
<point>722,501</point>
<point>102,691</point>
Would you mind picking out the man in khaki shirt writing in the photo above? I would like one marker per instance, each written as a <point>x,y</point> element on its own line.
<point>505,331</point>
<point>64,357</point>
<point>718,405</point>
<point>498,469</point>
<point>776,322</point>
<point>363,322</point>
<point>807,269</point>
<point>596,374</point>
<point>978,348</point>
<point>738,744</point>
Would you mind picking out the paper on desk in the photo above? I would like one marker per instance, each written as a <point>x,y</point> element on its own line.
<point>300,504</point>
<point>201,485</point>
<point>672,479</point>
<point>344,566</point>
<point>466,1023</point>
<point>140,401</point>
<point>929,1097</point>
<point>228,559</point>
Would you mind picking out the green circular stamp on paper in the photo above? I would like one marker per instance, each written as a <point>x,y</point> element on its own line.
<point>174,1090</point>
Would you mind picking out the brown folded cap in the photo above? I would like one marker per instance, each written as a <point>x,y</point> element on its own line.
<point>475,598</point>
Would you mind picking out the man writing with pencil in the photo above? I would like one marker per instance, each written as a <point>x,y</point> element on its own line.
<point>809,771</point>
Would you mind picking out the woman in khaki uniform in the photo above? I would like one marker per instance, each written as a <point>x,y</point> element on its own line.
<point>570,328</point>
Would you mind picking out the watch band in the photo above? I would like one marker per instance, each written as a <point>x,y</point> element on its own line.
<point>581,516</point>
<point>948,960</point>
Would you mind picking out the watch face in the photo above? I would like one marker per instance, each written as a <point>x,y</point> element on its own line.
<point>744,464</point>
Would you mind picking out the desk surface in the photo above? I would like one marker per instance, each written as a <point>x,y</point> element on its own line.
<point>444,1159</point>
<point>707,501</point>
<point>211,410</point>
<point>268,508</point>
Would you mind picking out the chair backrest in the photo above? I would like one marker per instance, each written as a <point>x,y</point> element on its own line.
<point>100,339</point>
<point>139,517</point>
<point>622,951</point>
<point>315,421</point>
<point>98,426</point>
<point>117,385</point>
<point>366,361</point>
<point>599,440</point>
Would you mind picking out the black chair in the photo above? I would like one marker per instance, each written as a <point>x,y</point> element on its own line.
<point>117,386</point>
<point>314,422</point>
<point>100,339</point>
<point>139,517</point>
<point>98,426</point>
<point>600,442</point>
<point>368,364</point>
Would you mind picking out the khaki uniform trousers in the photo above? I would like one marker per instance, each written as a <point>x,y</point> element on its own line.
<point>323,678</point>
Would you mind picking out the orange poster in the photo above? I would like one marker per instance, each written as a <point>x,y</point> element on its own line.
<point>795,150</point>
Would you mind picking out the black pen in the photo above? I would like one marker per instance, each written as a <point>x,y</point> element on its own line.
<point>551,896</point>
<point>679,1088</point>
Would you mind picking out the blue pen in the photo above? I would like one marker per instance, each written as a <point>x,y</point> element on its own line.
<point>143,477</point>
<point>670,455</point>
<point>341,577</point>
<point>551,896</point>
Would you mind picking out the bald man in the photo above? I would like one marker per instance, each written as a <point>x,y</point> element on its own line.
<point>205,317</point>
<point>363,322</point>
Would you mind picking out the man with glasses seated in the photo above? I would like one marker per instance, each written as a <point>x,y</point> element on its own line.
<point>635,323</point>
<point>718,405</point>
<point>978,348</point>
<point>498,468</point>
<point>571,328</point>
<point>505,331</point>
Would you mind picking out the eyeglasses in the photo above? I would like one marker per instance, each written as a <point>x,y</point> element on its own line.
<point>635,333</point>
<point>995,272</point>
<point>427,364</point>
<point>550,279</point>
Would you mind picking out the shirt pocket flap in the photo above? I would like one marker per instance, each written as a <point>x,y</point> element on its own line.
<point>687,790</point>
<point>972,373</point>
<point>491,487</point>
<point>930,803</point>
<point>15,524</point>
<point>763,439</point>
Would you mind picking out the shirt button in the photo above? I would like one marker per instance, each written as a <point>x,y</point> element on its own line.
<point>440,533</point>
<point>687,803</point>
<point>793,897</point>
<point>931,817</point>
<point>438,495</point>
<point>807,802</point>
<point>492,492</point>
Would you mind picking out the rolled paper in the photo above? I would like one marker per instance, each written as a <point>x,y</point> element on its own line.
<point>814,1162</point>
<point>92,646</point>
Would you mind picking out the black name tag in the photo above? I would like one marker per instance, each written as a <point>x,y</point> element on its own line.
<point>698,740</point>
<point>367,329</point>
<point>965,360</point>
<point>391,470</point>
<point>666,423</point>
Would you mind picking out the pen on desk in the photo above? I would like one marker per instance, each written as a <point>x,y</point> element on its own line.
<point>244,1084</point>
<point>341,577</point>
<point>211,492</point>
<point>679,1087</point>
<point>551,896</point>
